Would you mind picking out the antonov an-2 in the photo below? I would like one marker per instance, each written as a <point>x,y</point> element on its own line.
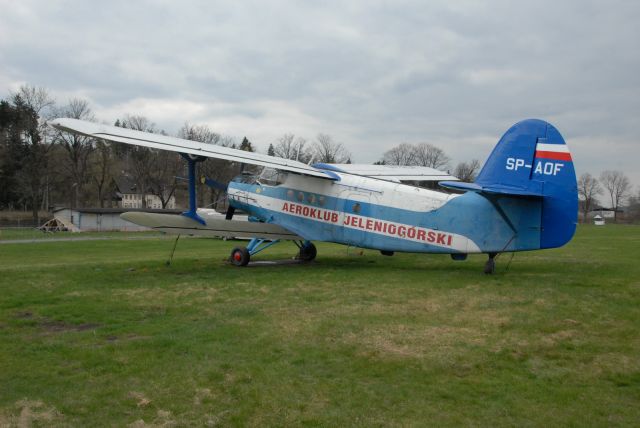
<point>525,198</point>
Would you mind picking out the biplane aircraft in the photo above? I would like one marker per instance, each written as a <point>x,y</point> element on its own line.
<point>524,198</point>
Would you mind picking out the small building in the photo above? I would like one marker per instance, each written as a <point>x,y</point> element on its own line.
<point>598,220</point>
<point>128,195</point>
<point>606,213</point>
<point>101,219</point>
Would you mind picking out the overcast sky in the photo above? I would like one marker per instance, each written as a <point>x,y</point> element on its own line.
<point>371,74</point>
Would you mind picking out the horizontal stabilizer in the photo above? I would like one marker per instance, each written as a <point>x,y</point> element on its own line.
<point>494,190</point>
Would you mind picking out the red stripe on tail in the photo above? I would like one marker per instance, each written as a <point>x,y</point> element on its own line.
<point>554,155</point>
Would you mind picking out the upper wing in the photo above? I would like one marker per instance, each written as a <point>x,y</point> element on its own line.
<point>164,142</point>
<point>390,172</point>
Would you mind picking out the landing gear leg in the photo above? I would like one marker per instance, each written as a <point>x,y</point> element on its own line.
<point>490,265</point>
<point>240,256</point>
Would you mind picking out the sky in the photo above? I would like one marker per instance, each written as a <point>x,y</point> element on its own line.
<point>371,74</point>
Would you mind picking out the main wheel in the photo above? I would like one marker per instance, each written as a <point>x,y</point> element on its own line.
<point>240,256</point>
<point>308,252</point>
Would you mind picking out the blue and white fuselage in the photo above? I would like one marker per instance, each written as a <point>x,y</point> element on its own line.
<point>378,214</point>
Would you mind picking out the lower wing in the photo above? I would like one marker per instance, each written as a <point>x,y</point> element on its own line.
<point>213,227</point>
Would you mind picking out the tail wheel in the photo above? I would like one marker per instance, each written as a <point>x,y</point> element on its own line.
<point>490,265</point>
<point>240,256</point>
<point>308,252</point>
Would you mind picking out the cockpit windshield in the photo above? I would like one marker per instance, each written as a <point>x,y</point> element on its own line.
<point>272,177</point>
<point>267,177</point>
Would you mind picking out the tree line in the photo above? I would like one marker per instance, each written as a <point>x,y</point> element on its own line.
<point>615,188</point>
<point>40,166</point>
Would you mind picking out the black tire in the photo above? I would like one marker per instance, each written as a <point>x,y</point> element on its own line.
<point>308,252</point>
<point>240,256</point>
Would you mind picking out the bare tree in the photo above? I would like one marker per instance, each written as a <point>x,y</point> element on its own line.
<point>634,207</point>
<point>138,123</point>
<point>618,186</point>
<point>429,155</point>
<point>588,189</point>
<point>201,133</point>
<point>139,161</point>
<point>290,147</point>
<point>77,147</point>
<point>103,169</point>
<point>325,150</point>
<point>162,178</point>
<point>422,154</point>
<point>399,155</point>
<point>467,171</point>
<point>38,98</point>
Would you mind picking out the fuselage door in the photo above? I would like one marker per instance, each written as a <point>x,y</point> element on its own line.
<point>357,207</point>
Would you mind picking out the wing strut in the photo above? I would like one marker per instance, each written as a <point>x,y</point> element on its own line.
<point>192,160</point>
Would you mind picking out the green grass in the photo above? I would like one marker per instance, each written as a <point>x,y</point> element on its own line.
<point>102,333</point>
<point>28,233</point>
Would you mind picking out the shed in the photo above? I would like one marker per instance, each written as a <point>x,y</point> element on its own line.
<point>102,219</point>
<point>598,220</point>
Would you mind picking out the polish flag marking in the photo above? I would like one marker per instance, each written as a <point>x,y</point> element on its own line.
<point>553,151</point>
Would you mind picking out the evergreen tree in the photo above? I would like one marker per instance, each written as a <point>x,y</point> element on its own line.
<point>271,151</point>
<point>22,157</point>
<point>246,145</point>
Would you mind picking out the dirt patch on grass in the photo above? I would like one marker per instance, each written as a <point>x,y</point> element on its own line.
<point>201,395</point>
<point>413,341</point>
<point>187,292</point>
<point>53,326</point>
<point>140,398</point>
<point>614,363</point>
<point>27,413</point>
<point>23,315</point>
<point>163,419</point>
<point>112,338</point>
<point>48,325</point>
<point>553,339</point>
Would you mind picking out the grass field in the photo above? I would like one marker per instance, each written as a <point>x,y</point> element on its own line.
<point>33,234</point>
<point>102,333</point>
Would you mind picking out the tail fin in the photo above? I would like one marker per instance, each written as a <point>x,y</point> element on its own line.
<point>532,160</point>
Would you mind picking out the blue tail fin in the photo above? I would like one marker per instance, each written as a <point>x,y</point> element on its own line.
<point>532,160</point>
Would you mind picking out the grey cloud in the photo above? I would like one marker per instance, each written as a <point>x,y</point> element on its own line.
<point>372,74</point>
